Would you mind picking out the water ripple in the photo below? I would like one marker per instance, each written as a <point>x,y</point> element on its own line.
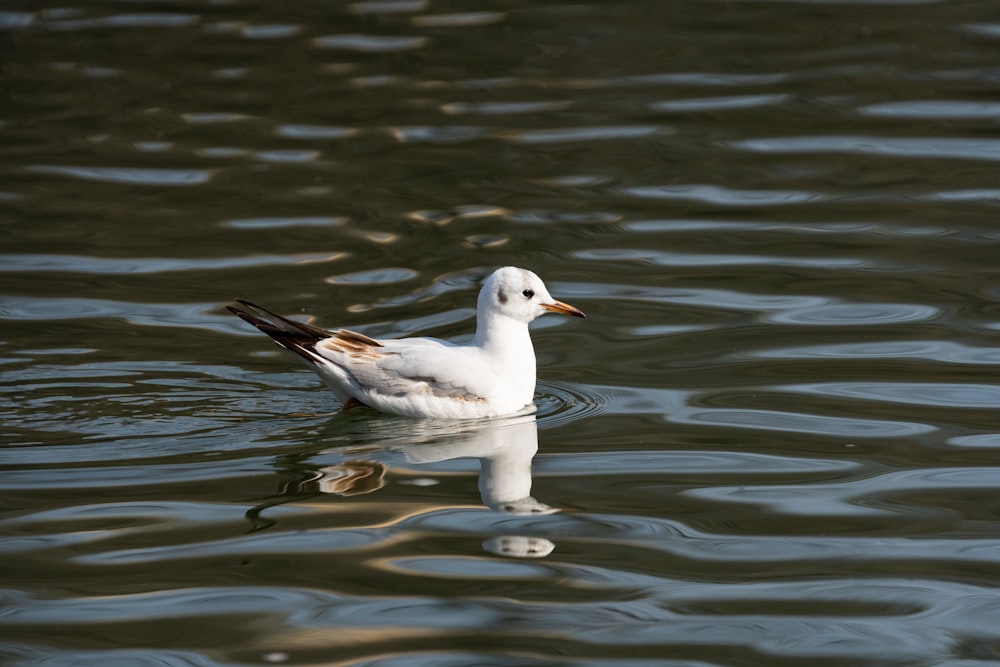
<point>369,43</point>
<point>871,496</point>
<point>432,133</point>
<point>979,440</point>
<point>703,297</point>
<point>562,402</point>
<point>211,117</point>
<point>200,315</point>
<point>723,196</point>
<point>381,276</point>
<point>128,175</point>
<point>291,156</point>
<point>944,109</point>
<point>681,462</point>
<point>577,402</point>
<point>666,258</point>
<point>458,19</point>
<point>16,20</point>
<point>782,421</point>
<point>275,542</point>
<point>697,79</point>
<point>271,31</point>
<point>291,221</point>
<point>571,134</point>
<point>111,476</point>
<point>467,568</point>
<point>727,103</point>
<point>857,314</point>
<point>147,20</point>
<point>388,6</point>
<point>147,265</point>
<point>939,351</point>
<point>953,395</point>
<point>315,132</point>
<point>935,147</point>
<point>162,604</point>
<point>502,108</point>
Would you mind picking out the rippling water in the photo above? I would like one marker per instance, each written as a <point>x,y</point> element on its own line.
<point>774,442</point>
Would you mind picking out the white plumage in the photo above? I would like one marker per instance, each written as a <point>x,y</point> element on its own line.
<point>493,375</point>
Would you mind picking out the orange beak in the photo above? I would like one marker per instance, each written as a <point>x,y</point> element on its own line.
<point>563,309</point>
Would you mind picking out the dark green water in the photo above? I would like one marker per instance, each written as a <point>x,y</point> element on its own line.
<point>775,441</point>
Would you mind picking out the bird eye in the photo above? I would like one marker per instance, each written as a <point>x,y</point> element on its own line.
<point>528,293</point>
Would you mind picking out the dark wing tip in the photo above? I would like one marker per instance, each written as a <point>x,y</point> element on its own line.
<point>266,321</point>
<point>249,317</point>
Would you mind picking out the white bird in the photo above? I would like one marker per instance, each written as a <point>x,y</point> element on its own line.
<point>491,376</point>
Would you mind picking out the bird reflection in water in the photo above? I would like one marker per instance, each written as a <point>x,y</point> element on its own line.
<point>505,449</point>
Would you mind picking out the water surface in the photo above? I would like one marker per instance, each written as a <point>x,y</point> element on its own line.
<point>775,440</point>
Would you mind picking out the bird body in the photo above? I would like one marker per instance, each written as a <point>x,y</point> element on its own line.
<point>493,375</point>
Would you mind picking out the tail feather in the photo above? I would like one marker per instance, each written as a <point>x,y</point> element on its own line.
<point>301,338</point>
<point>274,321</point>
<point>298,337</point>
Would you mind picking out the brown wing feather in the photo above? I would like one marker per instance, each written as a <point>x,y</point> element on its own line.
<point>353,344</point>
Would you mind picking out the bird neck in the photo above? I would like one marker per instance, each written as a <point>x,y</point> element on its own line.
<point>507,343</point>
<point>505,337</point>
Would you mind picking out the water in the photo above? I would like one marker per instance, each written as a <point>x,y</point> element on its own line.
<point>775,440</point>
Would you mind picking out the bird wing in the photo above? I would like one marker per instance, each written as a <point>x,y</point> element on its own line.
<point>411,366</point>
<point>394,368</point>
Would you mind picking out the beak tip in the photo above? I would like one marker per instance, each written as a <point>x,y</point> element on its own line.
<point>564,309</point>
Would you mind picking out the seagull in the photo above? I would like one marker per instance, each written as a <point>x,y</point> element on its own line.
<point>491,376</point>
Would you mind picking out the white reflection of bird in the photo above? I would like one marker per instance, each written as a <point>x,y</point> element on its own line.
<point>427,377</point>
<point>504,447</point>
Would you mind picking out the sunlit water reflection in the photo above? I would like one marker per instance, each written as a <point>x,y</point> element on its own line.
<point>775,441</point>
